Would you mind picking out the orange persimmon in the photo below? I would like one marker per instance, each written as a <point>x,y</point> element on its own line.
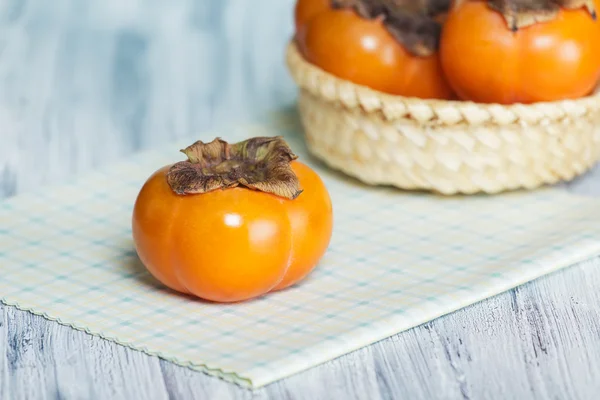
<point>234,221</point>
<point>389,48</point>
<point>305,10</point>
<point>521,51</point>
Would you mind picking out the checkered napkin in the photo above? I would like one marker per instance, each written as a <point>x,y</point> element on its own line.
<point>396,260</point>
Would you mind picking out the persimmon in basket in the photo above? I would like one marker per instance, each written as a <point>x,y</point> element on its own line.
<point>390,46</point>
<point>486,51</point>
<point>521,51</point>
<point>234,221</point>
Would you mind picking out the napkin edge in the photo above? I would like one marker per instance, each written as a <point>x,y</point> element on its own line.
<point>228,376</point>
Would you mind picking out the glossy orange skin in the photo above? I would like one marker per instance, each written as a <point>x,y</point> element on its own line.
<point>305,10</point>
<point>362,51</point>
<point>235,244</point>
<point>486,62</point>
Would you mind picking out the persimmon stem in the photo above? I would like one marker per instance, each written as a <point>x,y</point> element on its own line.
<point>522,13</point>
<point>260,163</point>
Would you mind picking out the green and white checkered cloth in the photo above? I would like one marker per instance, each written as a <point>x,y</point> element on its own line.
<point>396,260</point>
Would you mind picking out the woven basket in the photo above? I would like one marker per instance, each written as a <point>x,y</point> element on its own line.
<point>449,147</point>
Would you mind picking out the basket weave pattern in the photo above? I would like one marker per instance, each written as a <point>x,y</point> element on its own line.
<point>448,147</point>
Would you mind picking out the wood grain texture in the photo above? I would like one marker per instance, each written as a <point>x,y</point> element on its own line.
<point>86,83</point>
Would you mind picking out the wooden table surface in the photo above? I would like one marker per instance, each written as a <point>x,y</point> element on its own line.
<point>84,83</point>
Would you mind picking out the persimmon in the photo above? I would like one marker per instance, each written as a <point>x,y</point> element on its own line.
<point>387,46</point>
<point>233,221</point>
<point>305,10</point>
<point>521,51</point>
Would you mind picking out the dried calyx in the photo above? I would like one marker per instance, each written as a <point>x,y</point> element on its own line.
<point>522,13</point>
<point>412,23</point>
<point>260,163</point>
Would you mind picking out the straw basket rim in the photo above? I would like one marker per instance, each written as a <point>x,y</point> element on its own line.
<point>391,108</point>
